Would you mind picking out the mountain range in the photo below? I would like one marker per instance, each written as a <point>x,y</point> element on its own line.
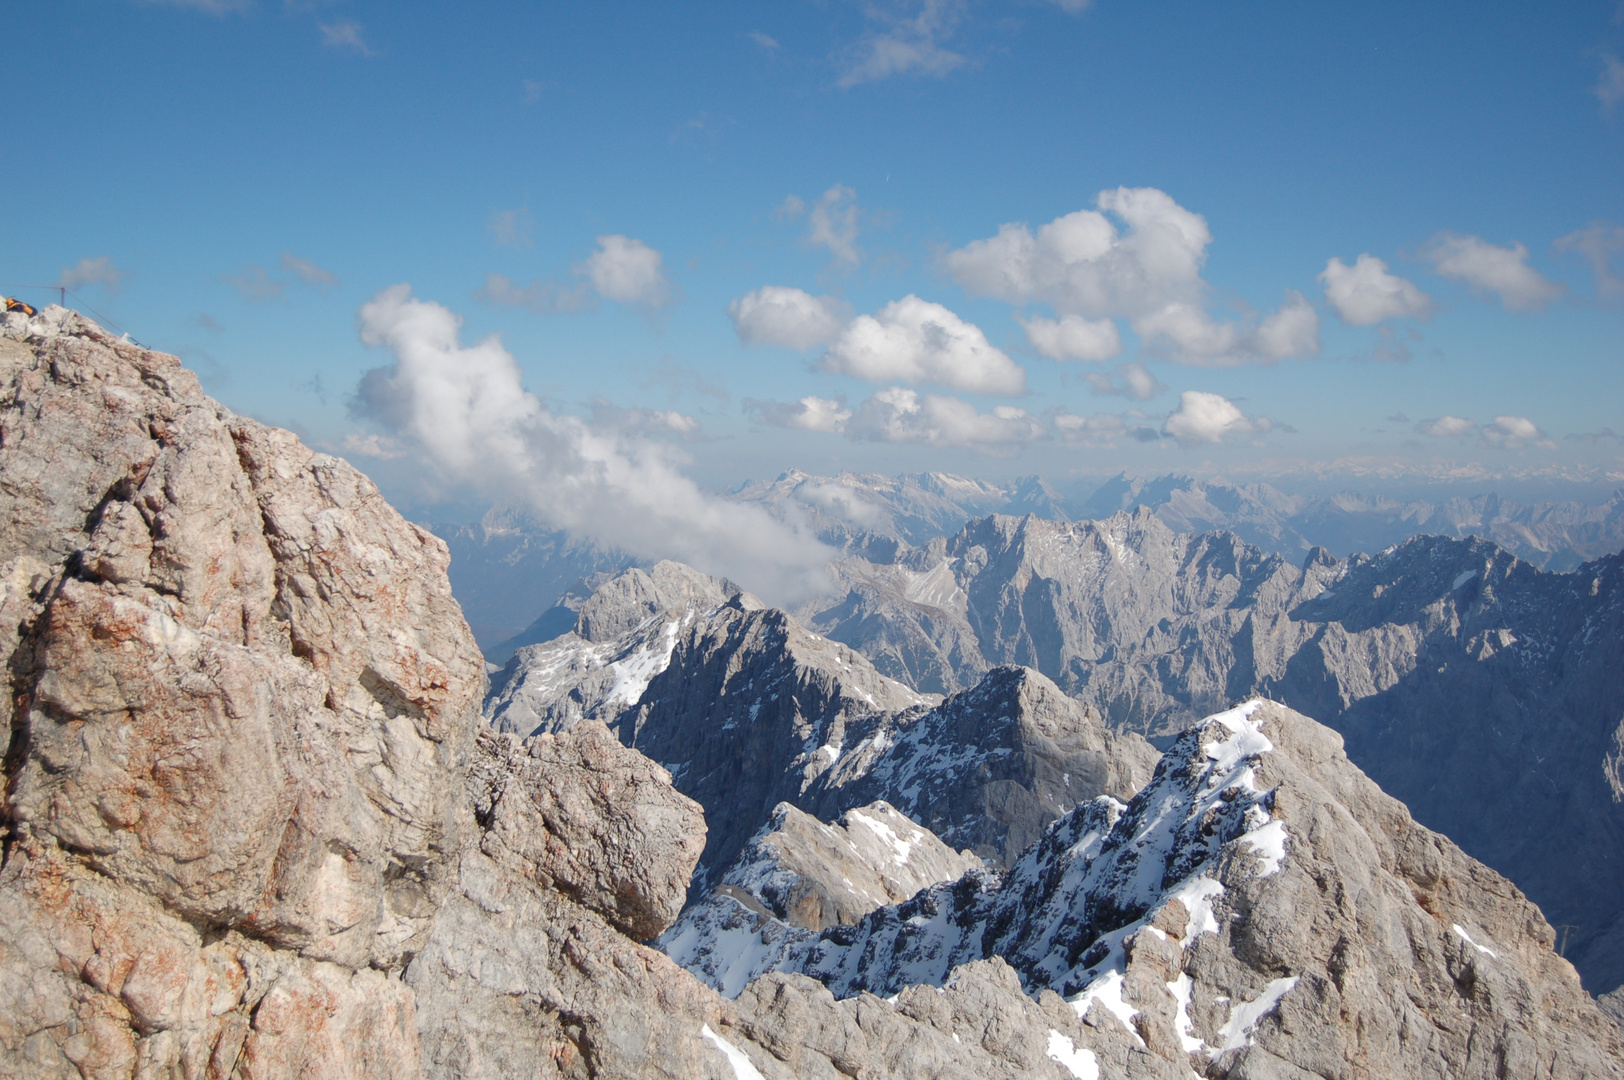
<point>508,568</point>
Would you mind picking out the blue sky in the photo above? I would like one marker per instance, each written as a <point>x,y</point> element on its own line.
<point>234,181</point>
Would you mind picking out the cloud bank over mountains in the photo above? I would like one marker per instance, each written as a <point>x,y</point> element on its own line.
<point>464,411</point>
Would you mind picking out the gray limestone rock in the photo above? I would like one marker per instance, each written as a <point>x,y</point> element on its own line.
<point>1480,691</point>
<point>813,875</point>
<point>1261,909</point>
<point>748,710</point>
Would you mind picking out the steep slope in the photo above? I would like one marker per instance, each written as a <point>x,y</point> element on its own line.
<point>749,710</point>
<point>1477,689</point>
<point>1259,909</point>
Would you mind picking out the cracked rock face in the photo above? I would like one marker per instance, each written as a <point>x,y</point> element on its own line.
<point>240,692</point>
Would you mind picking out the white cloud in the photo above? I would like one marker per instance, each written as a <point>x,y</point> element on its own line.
<point>909,44</point>
<point>511,228</point>
<point>307,271</point>
<point>768,43</point>
<point>1365,293</point>
<point>1129,380</point>
<point>1210,418</point>
<point>1597,243</point>
<point>833,223</point>
<point>899,415</point>
<point>1082,264</point>
<point>793,206</point>
<point>1197,338</point>
<point>607,416</point>
<point>1102,429</point>
<point>915,341</point>
<point>1148,271</point>
<point>1488,268</point>
<point>1609,87</point>
<point>622,269</point>
<point>627,270</point>
<point>96,271</point>
<point>1072,337</point>
<point>465,411</point>
<point>1514,433</point>
<point>788,318</point>
<point>1447,427</point>
<point>808,414</point>
<point>345,34</point>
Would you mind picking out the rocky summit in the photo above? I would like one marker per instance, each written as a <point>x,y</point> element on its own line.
<point>256,826</point>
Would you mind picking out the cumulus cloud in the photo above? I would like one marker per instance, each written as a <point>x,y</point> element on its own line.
<point>788,318</point>
<point>1365,293</point>
<point>833,223</point>
<point>1147,271</point>
<point>463,409</point>
<point>915,341</point>
<point>1485,267</point>
<point>345,34</point>
<point>623,269</point>
<point>1100,430</point>
<point>1128,380</point>
<point>1597,243</point>
<point>900,415</point>
<point>1082,264</point>
<point>808,414</point>
<point>1072,337</point>
<point>307,271</point>
<point>1195,337</point>
<point>1447,427</point>
<point>607,416</point>
<point>628,271</point>
<point>1514,433</point>
<point>93,271</point>
<point>511,228</point>
<point>908,42</point>
<point>1210,418</point>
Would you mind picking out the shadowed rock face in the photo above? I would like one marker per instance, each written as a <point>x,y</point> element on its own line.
<point>749,710</point>
<point>1259,909</point>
